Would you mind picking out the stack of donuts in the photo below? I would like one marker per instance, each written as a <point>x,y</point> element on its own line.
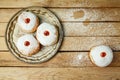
<point>46,34</point>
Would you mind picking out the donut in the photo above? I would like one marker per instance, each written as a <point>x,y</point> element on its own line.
<point>28,45</point>
<point>28,22</point>
<point>47,34</point>
<point>101,55</point>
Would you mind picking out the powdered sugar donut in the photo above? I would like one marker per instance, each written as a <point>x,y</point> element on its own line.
<point>47,34</point>
<point>101,55</point>
<point>28,45</point>
<point>28,21</point>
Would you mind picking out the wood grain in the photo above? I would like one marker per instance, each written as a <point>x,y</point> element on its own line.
<point>80,29</point>
<point>3,27</point>
<point>91,29</point>
<point>85,73</point>
<point>61,60</point>
<point>88,15</point>
<point>80,43</point>
<point>86,43</point>
<point>59,3</point>
<point>78,14</point>
<point>3,44</point>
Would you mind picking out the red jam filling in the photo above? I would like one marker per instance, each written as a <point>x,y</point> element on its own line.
<point>46,33</point>
<point>27,20</point>
<point>26,43</point>
<point>103,54</point>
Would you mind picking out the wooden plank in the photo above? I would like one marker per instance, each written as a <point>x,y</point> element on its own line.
<point>85,73</point>
<point>61,60</point>
<point>91,29</point>
<point>78,14</point>
<point>83,29</point>
<point>6,14</point>
<point>87,15</point>
<point>59,3</point>
<point>80,43</point>
<point>86,43</point>
<point>3,44</point>
<point>3,29</point>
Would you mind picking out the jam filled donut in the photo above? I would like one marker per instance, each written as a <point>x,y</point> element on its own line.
<point>101,55</point>
<point>47,34</point>
<point>28,45</point>
<point>28,21</point>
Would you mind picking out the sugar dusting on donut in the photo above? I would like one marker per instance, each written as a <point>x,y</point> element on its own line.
<point>27,21</point>
<point>27,44</point>
<point>101,55</point>
<point>47,34</point>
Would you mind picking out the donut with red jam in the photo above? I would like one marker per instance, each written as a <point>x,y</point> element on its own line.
<point>101,55</point>
<point>28,45</point>
<point>47,34</point>
<point>28,22</point>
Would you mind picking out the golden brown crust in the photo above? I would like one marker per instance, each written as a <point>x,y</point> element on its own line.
<point>91,59</point>
<point>34,51</point>
<point>57,34</point>
<point>36,25</point>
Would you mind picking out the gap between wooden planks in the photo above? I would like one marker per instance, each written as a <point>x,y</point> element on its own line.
<point>73,29</point>
<point>89,73</point>
<point>59,3</point>
<point>61,60</point>
<point>78,14</point>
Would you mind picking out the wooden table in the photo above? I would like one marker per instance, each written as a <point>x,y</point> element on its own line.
<point>86,23</point>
